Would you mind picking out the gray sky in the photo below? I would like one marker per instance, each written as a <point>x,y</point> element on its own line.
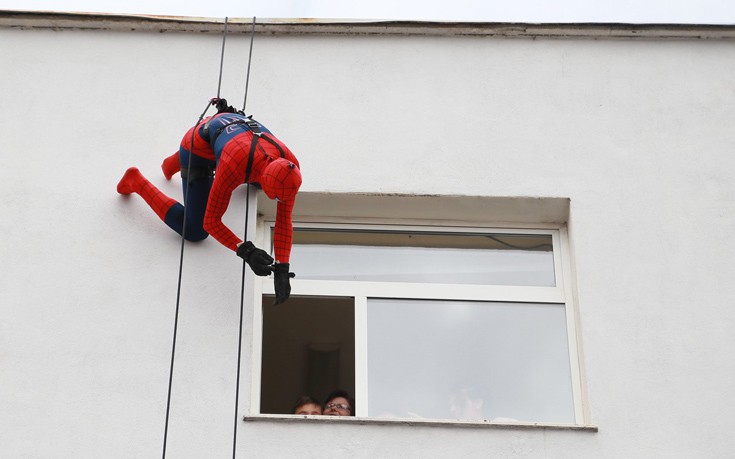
<point>630,11</point>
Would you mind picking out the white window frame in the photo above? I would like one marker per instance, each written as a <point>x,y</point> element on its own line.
<point>561,293</point>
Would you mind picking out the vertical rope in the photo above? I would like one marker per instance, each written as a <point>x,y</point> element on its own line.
<point>222,59</point>
<point>250,57</point>
<point>181,254</point>
<point>239,339</point>
<point>244,266</point>
<point>178,287</point>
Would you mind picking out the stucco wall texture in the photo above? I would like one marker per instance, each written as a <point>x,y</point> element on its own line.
<point>636,133</point>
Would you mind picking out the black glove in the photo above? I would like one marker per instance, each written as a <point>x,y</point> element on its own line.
<point>258,259</point>
<point>221,105</point>
<point>281,282</point>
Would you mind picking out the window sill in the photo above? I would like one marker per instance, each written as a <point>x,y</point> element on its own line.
<point>507,425</point>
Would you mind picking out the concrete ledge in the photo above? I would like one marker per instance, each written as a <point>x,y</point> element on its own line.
<point>267,26</point>
<point>312,206</point>
<point>446,423</point>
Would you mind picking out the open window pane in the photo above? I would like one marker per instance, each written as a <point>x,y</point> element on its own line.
<point>446,258</point>
<point>308,349</point>
<point>468,361</point>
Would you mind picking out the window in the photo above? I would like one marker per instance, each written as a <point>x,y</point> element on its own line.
<point>308,348</point>
<point>468,323</point>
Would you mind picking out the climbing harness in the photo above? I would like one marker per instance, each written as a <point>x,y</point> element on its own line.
<point>192,173</point>
<point>254,127</point>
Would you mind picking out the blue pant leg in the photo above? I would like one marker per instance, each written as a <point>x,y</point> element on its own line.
<point>196,195</point>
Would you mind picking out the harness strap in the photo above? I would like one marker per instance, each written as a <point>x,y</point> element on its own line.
<point>193,173</point>
<point>220,129</point>
<point>257,134</point>
<point>251,155</point>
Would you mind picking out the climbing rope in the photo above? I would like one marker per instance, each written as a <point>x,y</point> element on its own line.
<point>183,240</point>
<point>250,57</point>
<point>222,59</point>
<point>244,264</point>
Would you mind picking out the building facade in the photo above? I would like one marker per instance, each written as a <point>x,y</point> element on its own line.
<point>512,240</point>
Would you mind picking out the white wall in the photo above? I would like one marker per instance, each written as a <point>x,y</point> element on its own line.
<point>636,133</point>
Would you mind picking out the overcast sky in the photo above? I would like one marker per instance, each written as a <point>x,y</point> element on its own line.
<point>631,11</point>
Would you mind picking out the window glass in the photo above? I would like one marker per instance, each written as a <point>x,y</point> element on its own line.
<point>468,361</point>
<point>446,258</point>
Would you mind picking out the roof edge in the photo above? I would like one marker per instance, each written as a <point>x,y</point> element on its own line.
<point>270,26</point>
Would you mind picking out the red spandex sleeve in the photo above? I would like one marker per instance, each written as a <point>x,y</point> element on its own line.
<point>230,174</point>
<point>283,233</point>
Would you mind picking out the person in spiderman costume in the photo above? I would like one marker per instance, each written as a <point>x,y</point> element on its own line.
<point>240,150</point>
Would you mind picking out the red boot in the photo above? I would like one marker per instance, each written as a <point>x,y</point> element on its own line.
<point>171,165</point>
<point>134,182</point>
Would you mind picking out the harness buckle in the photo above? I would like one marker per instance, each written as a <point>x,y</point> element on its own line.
<point>253,126</point>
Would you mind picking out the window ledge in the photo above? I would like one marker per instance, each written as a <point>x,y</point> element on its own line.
<point>509,425</point>
<point>320,207</point>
